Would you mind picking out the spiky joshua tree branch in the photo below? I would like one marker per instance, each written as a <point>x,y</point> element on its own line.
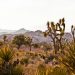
<point>56,31</point>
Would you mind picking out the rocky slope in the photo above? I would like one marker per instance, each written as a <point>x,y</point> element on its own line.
<point>37,36</point>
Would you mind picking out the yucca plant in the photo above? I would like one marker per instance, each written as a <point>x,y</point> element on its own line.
<point>6,53</point>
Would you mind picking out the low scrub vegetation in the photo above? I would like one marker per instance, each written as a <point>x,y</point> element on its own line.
<point>57,58</point>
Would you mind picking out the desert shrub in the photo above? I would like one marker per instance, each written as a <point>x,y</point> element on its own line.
<point>18,70</point>
<point>69,58</point>
<point>41,70</point>
<point>42,56</point>
<point>47,47</point>
<point>51,57</point>
<point>36,45</point>
<point>24,61</point>
<point>57,71</point>
<point>15,63</point>
<point>30,70</point>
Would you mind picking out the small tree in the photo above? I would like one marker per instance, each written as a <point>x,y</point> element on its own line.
<point>22,40</point>
<point>56,32</point>
<point>19,40</point>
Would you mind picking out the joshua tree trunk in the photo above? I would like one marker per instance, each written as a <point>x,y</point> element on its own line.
<point>30,47</point>
<point>74,42</point>
<point>74,39</point>
<point>55,49</point>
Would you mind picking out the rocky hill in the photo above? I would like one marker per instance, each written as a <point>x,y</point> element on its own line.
<point>37,36</point>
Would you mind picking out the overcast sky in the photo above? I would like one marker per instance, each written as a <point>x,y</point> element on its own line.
<point>33,14</point>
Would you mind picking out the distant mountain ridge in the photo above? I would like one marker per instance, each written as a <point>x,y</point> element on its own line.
<point>4,31</point>
<point>37,36</point>
<point>21,31</point>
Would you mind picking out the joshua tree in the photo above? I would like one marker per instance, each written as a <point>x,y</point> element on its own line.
<point>28,42</point>
<point>56,31</point>
<point>1,43</point>
<point>4,38</point>
<point>73,32</point>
